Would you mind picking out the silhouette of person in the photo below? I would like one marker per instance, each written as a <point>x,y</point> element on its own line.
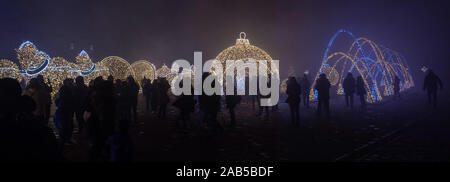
<point>147,92</point>
<point>154,95</point>
<point>101,123</point>
<point>323,89</point>
<point>120,144</point>
<point>64,113</point>
<point>40,95</point>
<point>430,85</point>
<point>186,104</point>
<point>41,141</point>
<point>294,92</point>
<point>120,94</point>
<point>110,78</point>
<point>23,136</point>
<point>349,89</point>
<point>163,88</point>
<point>133,89</point>
<point>361,91</point>
<point>81,99</point>
<point>27,107</point>
<point>210,105</point>
<point>253,99</point>
<point>305,85</point>
<point>11,136</point>
<point>91,83</point>
<point>232,100</point>
<point>47,91</point>
<point>396,88</point>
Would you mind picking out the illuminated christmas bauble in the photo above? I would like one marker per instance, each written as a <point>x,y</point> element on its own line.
<point>243,50</point>
<point>143,69</point>
<point>118,67</point>
<point>332,75</point>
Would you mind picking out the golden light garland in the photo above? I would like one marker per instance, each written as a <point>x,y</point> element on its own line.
<point>9,69</point>
<point>83,61</point>
<point>55,70</point>
<point>59,70</point>
<point>100,70</point>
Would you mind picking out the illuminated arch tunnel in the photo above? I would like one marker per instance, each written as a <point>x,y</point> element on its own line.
<point>377,65</point>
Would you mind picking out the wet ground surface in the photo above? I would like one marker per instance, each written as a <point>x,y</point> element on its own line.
<point>387,131</point>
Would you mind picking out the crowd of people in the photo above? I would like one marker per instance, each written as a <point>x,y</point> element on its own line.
<point>296,91</point>
<point>24,133</point>
<point>104,110</point>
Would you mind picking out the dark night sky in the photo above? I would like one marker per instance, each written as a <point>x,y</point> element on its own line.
<point>294,32</point>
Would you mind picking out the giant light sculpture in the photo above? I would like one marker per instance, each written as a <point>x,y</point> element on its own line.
<point>244,51</point>
<point>377,65</point>
<point>33,62</point>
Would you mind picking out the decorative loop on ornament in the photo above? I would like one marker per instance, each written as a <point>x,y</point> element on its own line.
<point>242,35</point>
